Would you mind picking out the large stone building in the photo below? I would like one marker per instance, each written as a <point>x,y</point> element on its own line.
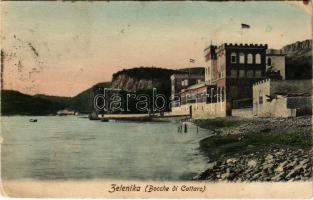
<point>180,82</point>
<point>231,71</point>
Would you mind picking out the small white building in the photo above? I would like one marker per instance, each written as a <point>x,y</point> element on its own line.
<point>282,98</point>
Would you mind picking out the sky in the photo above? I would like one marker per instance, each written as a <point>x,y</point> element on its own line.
<point>62,48</point>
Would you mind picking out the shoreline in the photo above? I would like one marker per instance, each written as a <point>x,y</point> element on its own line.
<point>257,149</point>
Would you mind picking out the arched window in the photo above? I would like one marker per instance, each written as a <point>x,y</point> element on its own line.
<point>250,58</point>
<point>269,62</point>
<point>233,57</point>
<point>258,58</point>
<point>241,58</point>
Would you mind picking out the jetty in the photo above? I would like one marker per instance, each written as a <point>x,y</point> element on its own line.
<point>126,117</point>
<point>137,117</point>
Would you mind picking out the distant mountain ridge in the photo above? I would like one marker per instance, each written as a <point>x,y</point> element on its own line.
<point>299,60</point>
<point>17,103</point>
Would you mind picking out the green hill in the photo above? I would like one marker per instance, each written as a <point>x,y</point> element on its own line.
<point>16,103</point>
<point>55,99</point>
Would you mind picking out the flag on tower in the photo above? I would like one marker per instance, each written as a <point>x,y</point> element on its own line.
<point>245,26</point>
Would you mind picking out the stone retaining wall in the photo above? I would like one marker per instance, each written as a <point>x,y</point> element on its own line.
<point>201,110</point>
<point>244,112</point>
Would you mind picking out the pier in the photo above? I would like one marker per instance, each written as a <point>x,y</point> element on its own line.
<point>137,117</point>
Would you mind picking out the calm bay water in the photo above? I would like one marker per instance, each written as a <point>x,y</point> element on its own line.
<point>70,147</point>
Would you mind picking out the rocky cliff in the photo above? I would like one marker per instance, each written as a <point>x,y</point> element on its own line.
<point>126,82</point>
<point>303,48</point>
<point>146,78</point>
<point>299,60</point>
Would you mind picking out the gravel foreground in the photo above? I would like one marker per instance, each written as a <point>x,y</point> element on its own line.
<point>284,158</point>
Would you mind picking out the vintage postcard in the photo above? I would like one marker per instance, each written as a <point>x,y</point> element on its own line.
<point>182,99</point>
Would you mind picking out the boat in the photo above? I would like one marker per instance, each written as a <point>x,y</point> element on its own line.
<point>104,120</point>
<point>66,112</point>
<point>33,120</point>
<point>93,116</point>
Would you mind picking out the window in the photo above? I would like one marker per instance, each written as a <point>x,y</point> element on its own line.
<point>241,73</point>
<point>258,58</point>
<point>233,57</point>
<point>260,99</point>
<point>241,58</point>
<point>258,73</point>
<point>184,82</point>
<point>269,62</point>
<point>250,73</point>
<point>250,58</point>
<point>233,73</point>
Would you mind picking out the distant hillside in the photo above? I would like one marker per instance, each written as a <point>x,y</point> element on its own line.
<point>57,99</point>
<point>299,60</point>
<point>83,101</point>
<point>16,103</point>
